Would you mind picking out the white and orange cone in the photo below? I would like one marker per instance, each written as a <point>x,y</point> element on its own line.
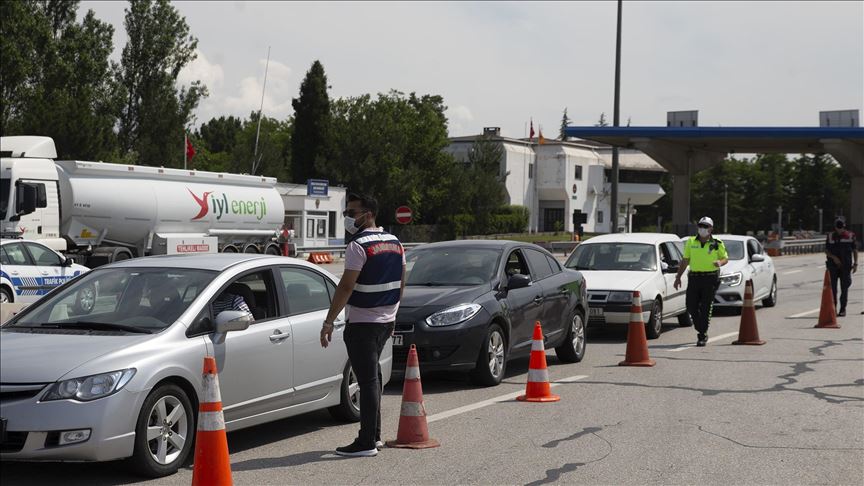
<point>637,344</point>
<point>748,331</point>
<point>827,311</point>
<point>212,465</point>
<point>538,389</point>
<point>413,431</point>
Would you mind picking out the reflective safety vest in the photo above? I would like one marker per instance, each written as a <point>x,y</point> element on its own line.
<point>842,246</point>
<point>380,280</point>
<point>703,255</point>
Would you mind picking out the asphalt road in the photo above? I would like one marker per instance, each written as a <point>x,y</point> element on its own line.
<point>788,412</point>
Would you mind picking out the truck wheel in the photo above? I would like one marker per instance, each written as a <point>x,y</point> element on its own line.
<point>273,250</point>
<point>251,249</point>
<point>5,296</point>
<point>229,249</point>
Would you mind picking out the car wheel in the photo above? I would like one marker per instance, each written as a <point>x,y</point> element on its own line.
<point>492,361</point>
<point>771,300</point>
<point>85,300</point>
<point>684,320</point>
<point>164,433</point>
<point>5,296</point>
<point>573,349</point>
<point>348,409</point>
<point>654,326</point>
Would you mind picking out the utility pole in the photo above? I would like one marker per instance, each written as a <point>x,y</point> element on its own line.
<point>820,220</point>
<point>726,208</point>
<point>615,120</point>
<point>780,221</point>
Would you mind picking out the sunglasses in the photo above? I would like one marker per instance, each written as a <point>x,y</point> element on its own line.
<point>353,212</point>
<point>704,226</point>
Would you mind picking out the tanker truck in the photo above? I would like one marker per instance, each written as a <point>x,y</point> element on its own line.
<point>96,212</point>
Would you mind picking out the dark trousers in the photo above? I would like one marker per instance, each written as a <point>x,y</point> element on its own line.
<point>845,278</point>
<point>365,342</point>
<point>700,299</point>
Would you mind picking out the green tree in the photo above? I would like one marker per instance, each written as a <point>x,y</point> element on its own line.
<point>817,182</point>
<point>309,146</point>
<point>155,111</point>
<point>486,178</point>
<point>219,134</point>
<point>565,122</point>
<point>274,148</point>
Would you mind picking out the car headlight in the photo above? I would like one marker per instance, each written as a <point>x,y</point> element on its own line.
<point>91,387</point>
<point>453,315</point>
<point>732,279</point>
<point>620,297</point>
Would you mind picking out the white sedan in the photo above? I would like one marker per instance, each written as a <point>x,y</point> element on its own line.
<point>31,270</point>
<point>747,261</point>
<point>616,265</point>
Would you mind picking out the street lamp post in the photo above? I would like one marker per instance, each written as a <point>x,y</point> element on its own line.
<point>820,220</point>
<point>726,208</point>
<point>780,221</point>
<point>615,120</point>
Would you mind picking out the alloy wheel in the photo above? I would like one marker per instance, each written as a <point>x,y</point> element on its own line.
<point>577,332</point>
<point>353,389</point>
<point>87,298</point>
<point>496,353</point>
<point>167,430</point>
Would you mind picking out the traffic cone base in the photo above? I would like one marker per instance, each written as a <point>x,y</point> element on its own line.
<point>827,311</point>
<point>748,331</point>
<point>413,432</point>
<point>637,343</point>
<point>538,389</point>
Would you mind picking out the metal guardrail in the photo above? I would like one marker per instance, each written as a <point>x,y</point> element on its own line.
<point>801,247</point>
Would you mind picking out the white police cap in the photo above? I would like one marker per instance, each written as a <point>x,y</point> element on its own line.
<point>707,220</point>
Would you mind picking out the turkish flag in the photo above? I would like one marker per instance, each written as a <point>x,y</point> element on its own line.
<point>190,150</point>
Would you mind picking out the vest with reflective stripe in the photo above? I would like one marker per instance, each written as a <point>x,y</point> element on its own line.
<point>381,277</point>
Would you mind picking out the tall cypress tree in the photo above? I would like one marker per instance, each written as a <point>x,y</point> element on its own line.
<point>310,140</point>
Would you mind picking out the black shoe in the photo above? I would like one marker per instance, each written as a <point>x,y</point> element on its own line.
<point>842,313</point>
<point>356,450</point>
<point>702,340</point>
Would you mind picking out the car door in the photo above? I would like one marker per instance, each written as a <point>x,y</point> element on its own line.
<point>552,315</point>
<point>307,295</point>
<point>523,306</point>
<point>19,268</point>
<point>256,364</point>
<point>675,299</point>
<point>761,273</point>
<point>49,266</point>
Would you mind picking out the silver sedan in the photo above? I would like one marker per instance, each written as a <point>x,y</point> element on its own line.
<point>121,377</point>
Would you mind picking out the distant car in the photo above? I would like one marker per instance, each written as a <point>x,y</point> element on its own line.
<point>747,261</point>
<point>616,265</point>
<point>122,377</point>
<point>29,270</point>
<point>471,305</point>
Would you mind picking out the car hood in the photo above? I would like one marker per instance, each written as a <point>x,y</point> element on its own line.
<point>42,358</point>
<point>734,266</point>
<point>615,280</point>
<point>421,296</point>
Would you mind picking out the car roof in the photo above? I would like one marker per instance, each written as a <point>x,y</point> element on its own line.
<point>647,238</point>
<point>496,244</point>
<point>208,261</point>
<point>5,241</point>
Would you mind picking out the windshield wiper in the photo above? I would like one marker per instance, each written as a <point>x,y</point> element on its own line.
<point>97,326</point>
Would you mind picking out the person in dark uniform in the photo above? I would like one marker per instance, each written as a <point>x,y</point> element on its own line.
<point>842,262</point>
<point>704,254</point>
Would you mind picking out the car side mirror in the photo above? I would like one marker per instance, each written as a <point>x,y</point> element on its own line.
<point>518,281</point>
<point>67,262</point>
<point>669,268</point>
<point>228,321</point>
<point>757,257</point>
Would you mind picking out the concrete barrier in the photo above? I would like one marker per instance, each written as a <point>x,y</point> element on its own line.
<point>9,310</point>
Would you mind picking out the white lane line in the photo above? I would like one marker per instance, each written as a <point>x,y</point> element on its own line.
<point>802,314</point>
<point>793,271</point>
<point>492,401</point>
<point>710,340</point>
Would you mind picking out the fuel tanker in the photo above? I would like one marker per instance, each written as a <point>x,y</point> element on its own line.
<point>96,212</point>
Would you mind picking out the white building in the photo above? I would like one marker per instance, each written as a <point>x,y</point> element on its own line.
<point>556,178</point>
<point>314,212</point>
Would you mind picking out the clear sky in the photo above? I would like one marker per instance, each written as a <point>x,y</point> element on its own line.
<point>499,63</point>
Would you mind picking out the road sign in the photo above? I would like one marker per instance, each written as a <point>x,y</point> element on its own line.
<point>403,215</point>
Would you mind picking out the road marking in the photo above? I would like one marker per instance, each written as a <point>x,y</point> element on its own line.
<point>710,340</point>
<point>492,401</point>
<point>804,313</point>
<point>793,271</point>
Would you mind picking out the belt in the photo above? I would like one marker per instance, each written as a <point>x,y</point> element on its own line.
<point>704,274</point>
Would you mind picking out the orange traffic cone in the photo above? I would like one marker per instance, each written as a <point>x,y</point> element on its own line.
<point>748,332</point>
<point>827,312</point>
<point>212,466</point>
<point>637,344</point>
<point>413,432</point>
<point>538,389</point>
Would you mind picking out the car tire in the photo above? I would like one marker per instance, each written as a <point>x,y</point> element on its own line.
<point>684,320</point>
<point>348,409</point>
<point>572,350</point>
<point>492,359</point>
<point>771,300</point>
<point>85,300</point>
<point>145,460</point>
<point>6,296</point>
<point>654,326</point>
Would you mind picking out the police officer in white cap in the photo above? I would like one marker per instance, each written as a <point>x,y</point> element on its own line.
<point>704,254</point>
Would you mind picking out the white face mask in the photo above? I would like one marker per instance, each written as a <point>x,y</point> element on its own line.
<point>349,225</point>
<point>704,232</point>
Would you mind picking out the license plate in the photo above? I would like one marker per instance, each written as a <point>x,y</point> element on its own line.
<point>397,339</point>
<point>595,312</point>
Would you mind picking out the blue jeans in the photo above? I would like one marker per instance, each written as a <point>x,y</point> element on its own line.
<point>365,342</point>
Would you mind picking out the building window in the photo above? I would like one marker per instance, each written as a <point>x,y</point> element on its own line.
<point>530,171</point>
<point>578,172</point>
<point>599,216</point>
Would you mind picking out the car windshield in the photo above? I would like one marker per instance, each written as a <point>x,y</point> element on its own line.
<point>451,266</point>
<point>127,299</point>
<point>638,257</point>
<point>735,249</point>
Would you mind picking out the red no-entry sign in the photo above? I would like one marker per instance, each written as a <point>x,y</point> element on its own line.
<point>403,215</point>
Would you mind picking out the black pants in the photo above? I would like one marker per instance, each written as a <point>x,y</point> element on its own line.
<point>365,342</point>
<point>700,299</point>
<point>845,278</point>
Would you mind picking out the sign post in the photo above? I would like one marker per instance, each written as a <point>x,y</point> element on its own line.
<point>403,215</point>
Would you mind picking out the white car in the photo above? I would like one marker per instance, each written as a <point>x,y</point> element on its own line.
<point>747,261</point>
<point>31,270</point>
<point>616,265</point>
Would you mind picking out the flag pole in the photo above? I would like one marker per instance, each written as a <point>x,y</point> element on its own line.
<point>185,142</point>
